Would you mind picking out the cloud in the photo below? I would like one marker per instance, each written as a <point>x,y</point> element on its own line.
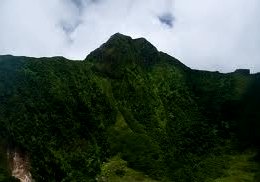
<point>167,19</point>
<point>204,34</point>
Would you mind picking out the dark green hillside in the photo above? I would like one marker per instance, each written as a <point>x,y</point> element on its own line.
<point>125,113</point>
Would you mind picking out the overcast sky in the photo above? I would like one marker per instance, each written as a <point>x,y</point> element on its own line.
<point>204,34</point>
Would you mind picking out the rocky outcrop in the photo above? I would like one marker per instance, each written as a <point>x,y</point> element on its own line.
<point>20,167</point>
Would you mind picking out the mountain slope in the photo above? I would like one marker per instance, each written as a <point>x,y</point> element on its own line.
<point>126,102</point>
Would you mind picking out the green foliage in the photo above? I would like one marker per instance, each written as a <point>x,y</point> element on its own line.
<point>116,170</point>
<point>126,99</point>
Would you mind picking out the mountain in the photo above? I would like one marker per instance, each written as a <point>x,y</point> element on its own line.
<point>126,113</point>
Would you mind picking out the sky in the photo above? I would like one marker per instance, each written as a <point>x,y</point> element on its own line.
<point>215,35</point>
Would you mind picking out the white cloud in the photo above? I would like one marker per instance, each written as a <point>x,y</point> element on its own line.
<point>207,34</point>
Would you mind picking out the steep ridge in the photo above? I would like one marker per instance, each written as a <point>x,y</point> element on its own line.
<point>125,105</point>
<point>121,52</point>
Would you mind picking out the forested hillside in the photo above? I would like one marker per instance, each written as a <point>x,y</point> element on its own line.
<point>126,113</point>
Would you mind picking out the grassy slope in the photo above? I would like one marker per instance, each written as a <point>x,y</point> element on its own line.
<point>241,167</point>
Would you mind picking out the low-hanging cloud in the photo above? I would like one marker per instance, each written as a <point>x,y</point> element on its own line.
<point>204,34</point>
<point>167,19</point>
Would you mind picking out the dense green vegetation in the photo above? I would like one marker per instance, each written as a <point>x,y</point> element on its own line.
<point>126,113</point>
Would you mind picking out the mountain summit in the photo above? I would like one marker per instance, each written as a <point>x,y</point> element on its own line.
<point>121,51</point>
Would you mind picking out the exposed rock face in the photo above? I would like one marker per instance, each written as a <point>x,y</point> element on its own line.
<point>19,166</point>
